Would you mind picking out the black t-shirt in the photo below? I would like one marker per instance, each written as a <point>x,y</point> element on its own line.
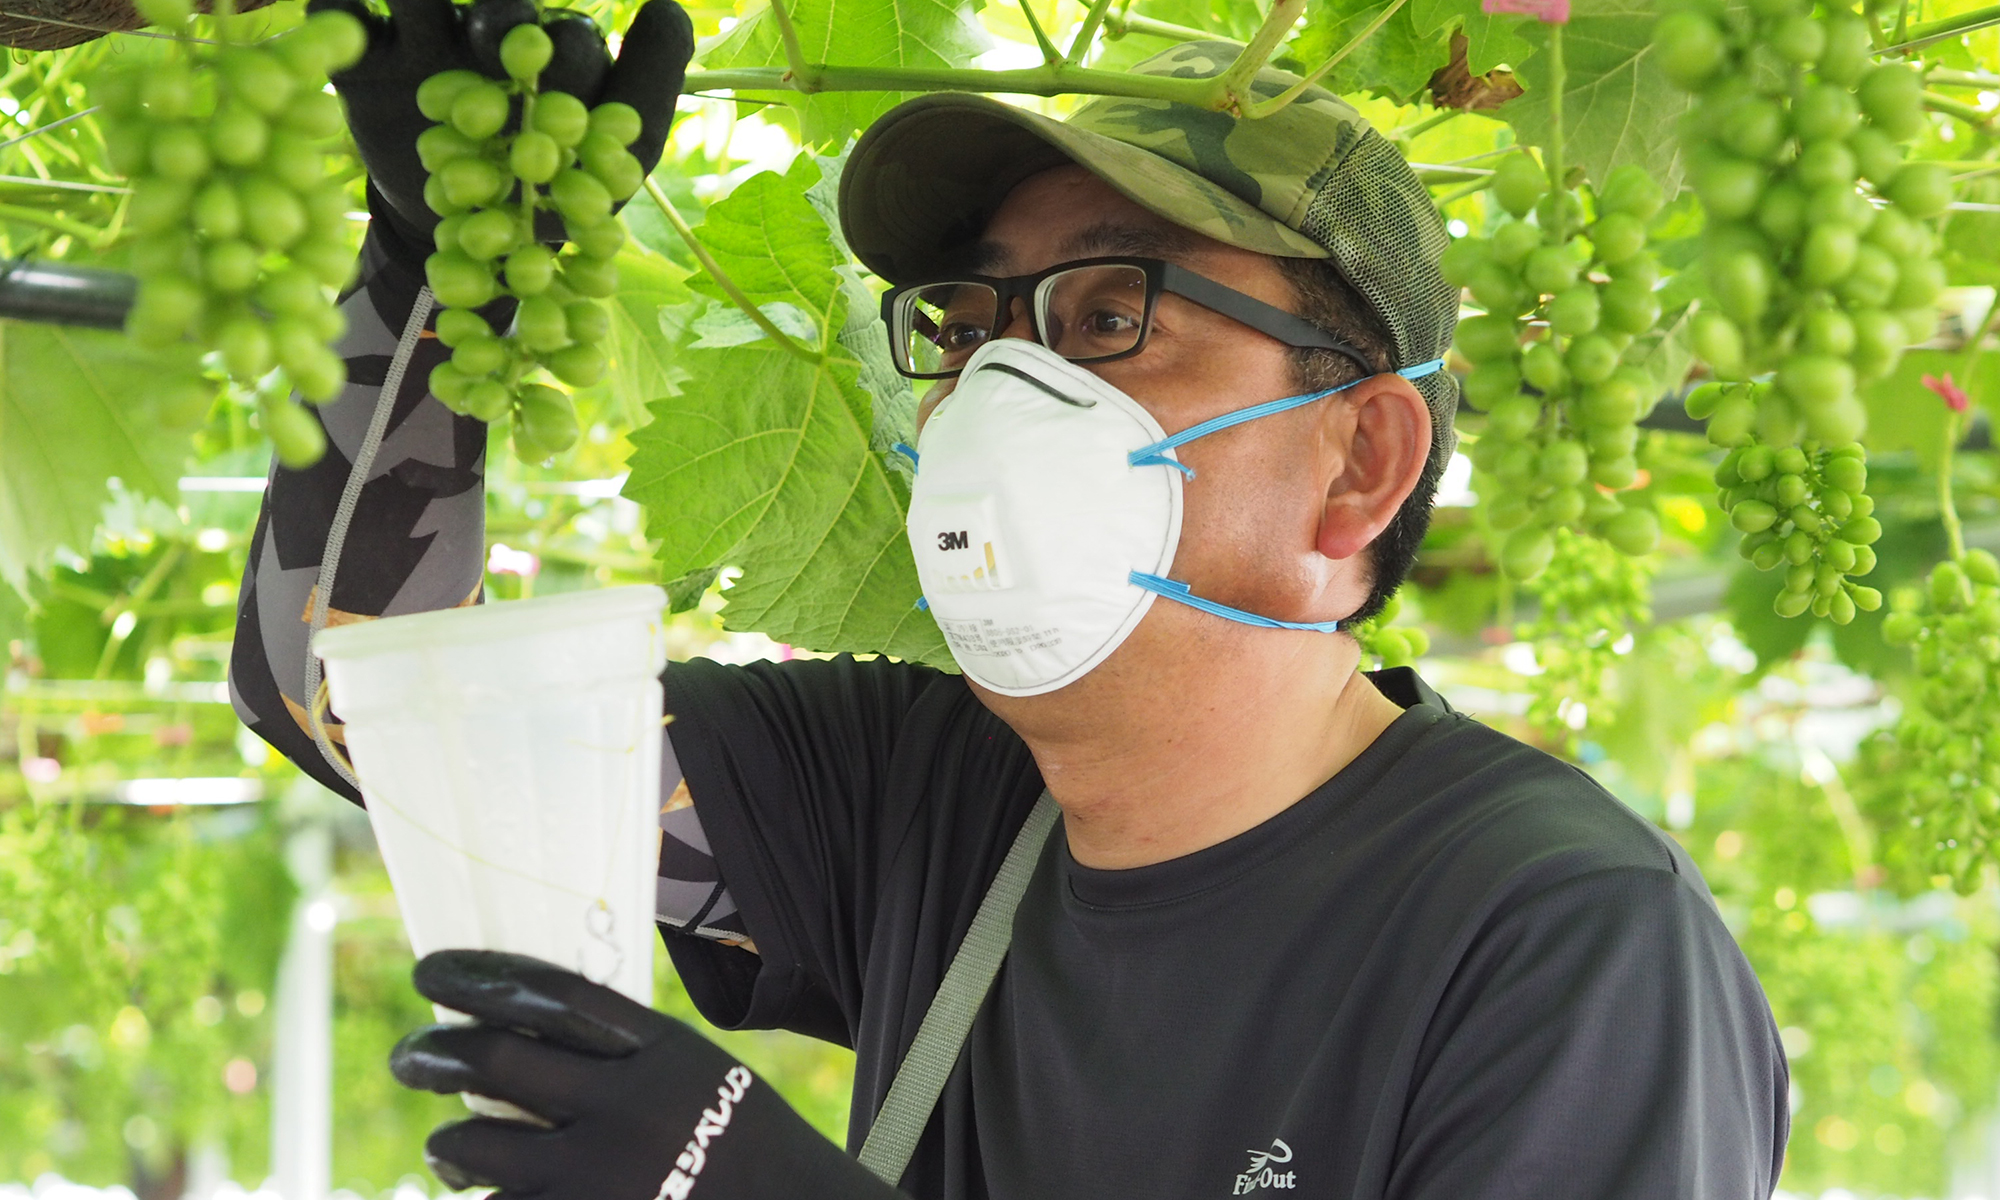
<point>1457,970</point>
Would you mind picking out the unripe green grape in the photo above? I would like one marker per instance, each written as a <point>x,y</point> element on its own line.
<point>1920,189</point>
<point>479,110</point>
<point>291,292</point>
<point>1617,236</point>
<point>314,115</point>
<point>1542,366</point>
<point>179,152</point>
<point>1893,98</point>
<point>1563,507</point>
<point>437,94</point>
<point>587,321</point>
<point>534,157</point>
<point>295,434</point>
<point>216,212</point>
<point>1918,284</point>
<point>257,79</point>
<point>1825,163</point>
<point>1742,285</point>
<point>1781,213</point>
<point>591,277</point>
<point>231,266</point>
<point>1754,128</point>
<point>541,325</point>
<point>1575,311</point>
<point>530,270</point>
<point>1728,187</point>
<point>1876,155</point>
<point>1730,424</point>
<point>296,163</point>
<point>1717,342</point>
<point>481,355</point>
<point>579,196</point>
<point>1627,307</point>
<point>1498,290</point>
<point>578,366</point>
<point>458,281</point>
<point>441,144</point>
<point>489,400</point>
<point>1526,553</point>
<point>1591,359</point>
<point>1871,282</point>
<point>484,234</point>
<point>1492,384</point>
<point>449,385</point>
<point>1840,420</point>
<point>245,347</point>
<point>1615,473</point>
<point>158,204</point>
<point>1511,418</point>
<point>168,253</point>
<point>1847,49</point>
<point>1867,599</point>
<point>167,92</point>
<point>601,239</point>
<point>617,121</point>
<point>561,116</point>
<point>455,325</point>
<point>1828,255</point>
<point>468,182</point>
<point>1513,242</point>
<point>1981,567</point>
<point>1798,39</point>
<point>272,215</point>
<point>1828,331</point>
<point>1824,110</point>
<point>319,374</point>
<point>1688,47</point>
<point>1518,181</point>
<point>525,51</point>
<point>1862,531</point>
<point>620,174</point>
<point>1486,339</point>
<point>1550,269</point>
<point>127,145</point>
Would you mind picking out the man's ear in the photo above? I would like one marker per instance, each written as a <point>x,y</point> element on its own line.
<point>1379,438</point>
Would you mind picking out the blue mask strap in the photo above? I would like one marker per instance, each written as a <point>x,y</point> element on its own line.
<point>906,452</point>
<point>1155,454</point>
<point>1174,589</point>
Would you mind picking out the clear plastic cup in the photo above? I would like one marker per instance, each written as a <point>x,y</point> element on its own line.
<point>510,757</point>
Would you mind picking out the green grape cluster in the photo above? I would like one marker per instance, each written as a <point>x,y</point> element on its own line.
<point>1952,626</point>
<point>1817,288</point>
<point>1564,301</point>
<point>1804,508</point>
<point>1388,643</point>
<point>1588,602</point>
<point>238,234</point>
<point>490,174</point>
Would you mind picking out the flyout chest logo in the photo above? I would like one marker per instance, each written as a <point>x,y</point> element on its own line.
<point>1261,1175</point>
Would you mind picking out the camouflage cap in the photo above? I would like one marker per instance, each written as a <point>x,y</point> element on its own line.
<point>1313,180</point>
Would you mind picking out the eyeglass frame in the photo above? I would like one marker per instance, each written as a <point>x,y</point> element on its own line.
<point>1161,276</point>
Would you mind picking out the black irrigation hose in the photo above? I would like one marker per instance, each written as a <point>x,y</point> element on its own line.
<point>65,295</point>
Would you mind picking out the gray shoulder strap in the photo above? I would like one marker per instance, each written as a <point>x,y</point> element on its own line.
<point>914,1092</point>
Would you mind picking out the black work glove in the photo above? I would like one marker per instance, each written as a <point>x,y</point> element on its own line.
<point>641,1106</point>
<point>422,37</point>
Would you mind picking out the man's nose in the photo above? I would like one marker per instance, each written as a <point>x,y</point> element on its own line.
<point>1019,323</point>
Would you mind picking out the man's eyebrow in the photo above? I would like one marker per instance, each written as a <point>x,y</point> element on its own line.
<point>1110,239</point>
<point>1097,241</point>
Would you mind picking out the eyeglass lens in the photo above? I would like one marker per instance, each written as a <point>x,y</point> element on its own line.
<point>1084,313</point>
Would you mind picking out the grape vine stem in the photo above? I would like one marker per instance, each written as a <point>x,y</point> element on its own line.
<point>1921,35</point>
<point>1267,107</point>
<point>723,281</point>
<point>1079,45</point>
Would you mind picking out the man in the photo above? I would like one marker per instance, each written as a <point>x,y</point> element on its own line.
<point>1299,929</point>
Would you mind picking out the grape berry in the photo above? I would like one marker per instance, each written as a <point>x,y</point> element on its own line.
<point>500,153</point>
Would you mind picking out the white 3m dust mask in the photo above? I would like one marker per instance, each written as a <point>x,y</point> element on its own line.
<point>1045,515</point>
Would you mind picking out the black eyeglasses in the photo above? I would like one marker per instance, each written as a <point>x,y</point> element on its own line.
<point>1089,311</point>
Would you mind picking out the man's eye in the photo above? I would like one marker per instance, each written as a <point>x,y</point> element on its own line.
<point>1110,323</point>
<point>957,336</point>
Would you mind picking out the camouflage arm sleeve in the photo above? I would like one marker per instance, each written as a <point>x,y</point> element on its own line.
<point>417,542</point>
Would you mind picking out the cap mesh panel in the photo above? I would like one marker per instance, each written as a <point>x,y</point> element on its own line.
<point>1385,235</point>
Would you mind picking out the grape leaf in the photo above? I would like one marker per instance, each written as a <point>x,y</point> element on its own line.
<point>1903,414</point>
<point>764,459</point>
<point>1492,39</point>
<point>1396,60</point>
<point>1617,106</point>
<point>852,33</point>
<point>77,408</point>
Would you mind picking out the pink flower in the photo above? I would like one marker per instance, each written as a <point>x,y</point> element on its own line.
<point>1953,394</point>
<point>1549,12</point>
